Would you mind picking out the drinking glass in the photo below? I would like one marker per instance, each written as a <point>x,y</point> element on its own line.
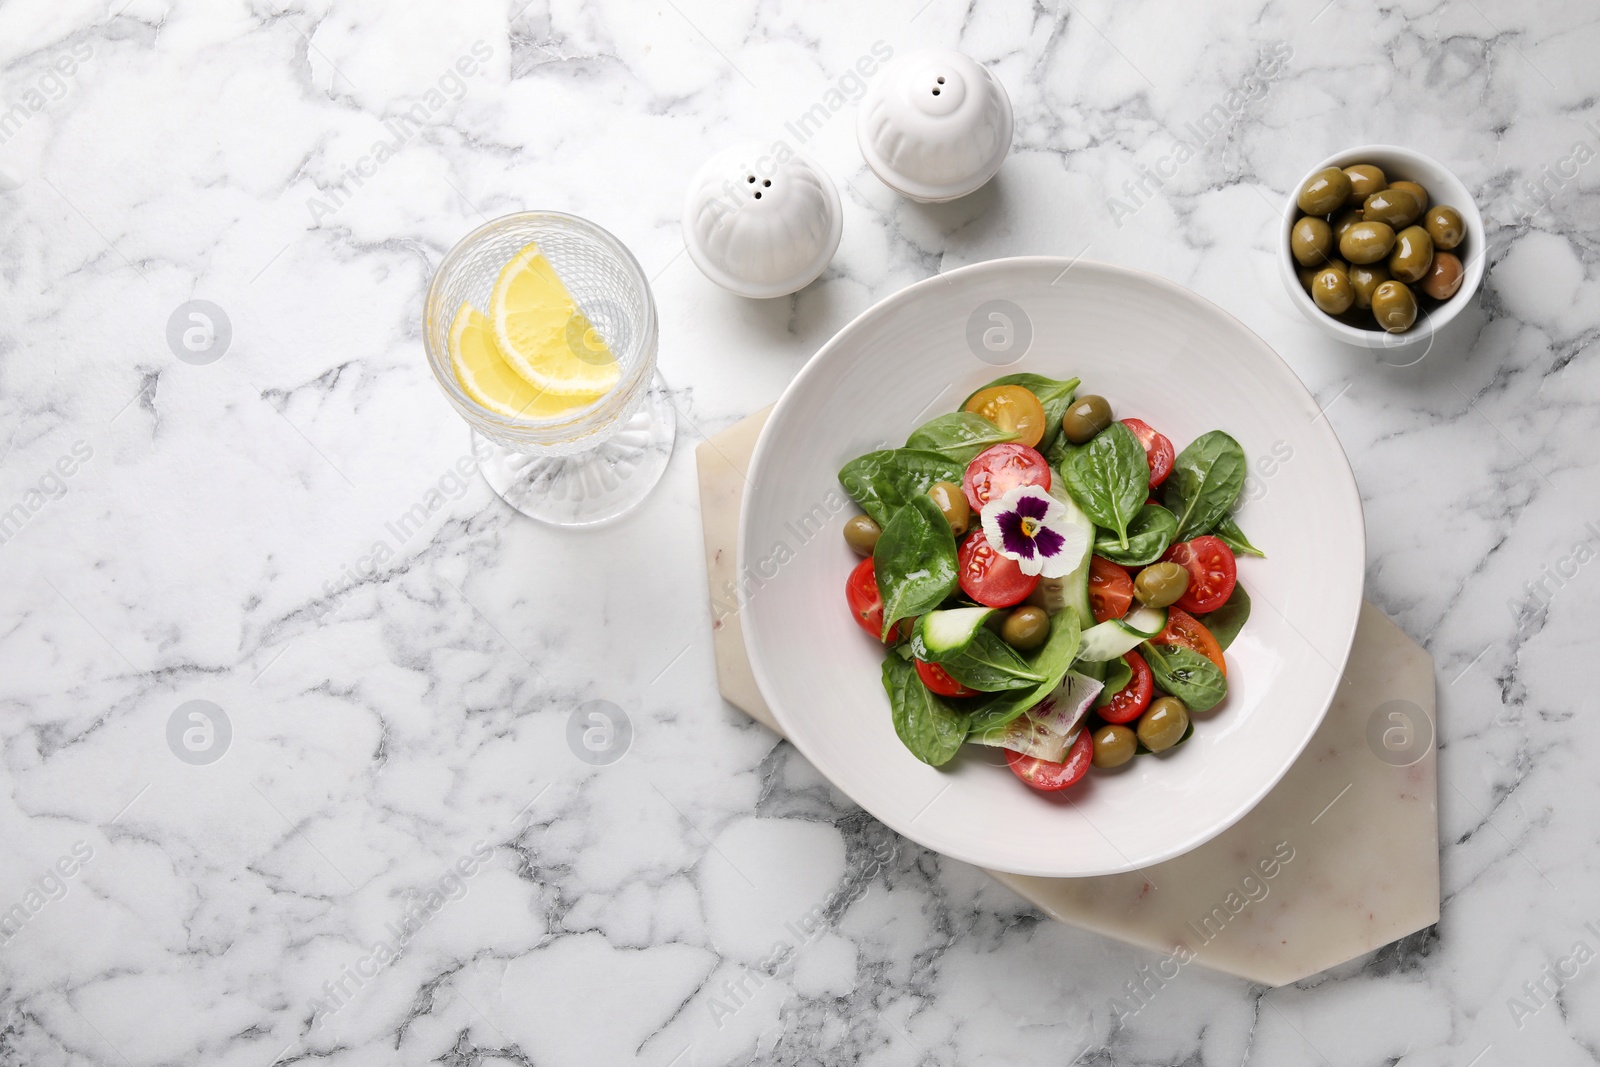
<point>589,464</point>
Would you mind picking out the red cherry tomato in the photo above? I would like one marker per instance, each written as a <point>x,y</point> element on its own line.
<point>866,603</point>
<point>1157,449</point>
<point>999,469</point>
<point>1212,573</point>
<point>1110,589</point>
<point>988,577</point>
<point>1049,777</point>
<point>1133,698</point>
<point>938,681</point>
<point>1186,630</point>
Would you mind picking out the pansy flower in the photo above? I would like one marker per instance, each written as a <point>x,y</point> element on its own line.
<point>1030,526</point>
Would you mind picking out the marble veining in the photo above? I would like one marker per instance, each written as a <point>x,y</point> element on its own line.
<point>419,843</point>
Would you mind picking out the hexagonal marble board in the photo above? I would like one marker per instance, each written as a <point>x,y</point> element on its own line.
<point>1340,858</point>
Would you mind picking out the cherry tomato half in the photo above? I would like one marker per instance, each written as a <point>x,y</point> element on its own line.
<point>1013,409</point>
<point>866,603</point>
<point>998,469</point>
<point>1157,449</point>
<point>1049,777</point>
<point>988,577</point>
<point>1212,573</point>
<point>1186,630</point>
<point>1133,698</point>
<point>1110,589</point>
<point>938,681</point>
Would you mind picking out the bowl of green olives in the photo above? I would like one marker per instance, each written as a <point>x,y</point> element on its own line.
<point>1382,246</point>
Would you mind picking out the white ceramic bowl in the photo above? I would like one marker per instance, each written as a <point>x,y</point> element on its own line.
<point>1156,351</point>
<point>1397,164</point>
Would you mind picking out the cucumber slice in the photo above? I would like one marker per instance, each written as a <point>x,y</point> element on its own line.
<point>1143,621</point>
<point>1114,637</point>
<point>944,633</point>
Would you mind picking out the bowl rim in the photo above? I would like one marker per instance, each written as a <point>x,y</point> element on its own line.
<point>1345,486</point>
<point>1431,322</point>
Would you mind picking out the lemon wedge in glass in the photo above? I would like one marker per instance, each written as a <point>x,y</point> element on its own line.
<point>543,336</point>
<point>488,379</point>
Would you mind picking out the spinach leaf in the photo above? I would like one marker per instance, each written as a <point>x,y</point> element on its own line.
<point>1205,482</point>
<point>1149,534</point>
<point>1051,661</point>
<point>1055,396</point>
<point>1227,531</point>
<point>989,665</point>
<point>959,435</point>
<point>1226,622</point>
<point>881,482</point>
<point>915,561</point>
<point>1109,478</point>
<point>1118,675</point>
<point>926,724</point>
<point>1186,674</point>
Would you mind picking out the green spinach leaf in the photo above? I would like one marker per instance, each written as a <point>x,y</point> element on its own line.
<point>990,665</point>
<point>1149,535</point>
<point>1205,482</point>
<point>1227,531</point>
<point>926,724</point>
<point>882,482</point>
<point>959,435</point>
<point>915,561</point>
<point>1109,478</point>
<point>1052,661</point>
<point>1186,674</point>
<point>1055,396</point>
<point>1226,622</point>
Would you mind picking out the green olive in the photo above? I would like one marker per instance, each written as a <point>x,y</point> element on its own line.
<point>1365,179</point>
<point>953,502</point>
<point>1444,277</point>
<point>1161,584</point>
<point>1364,279</point>
<point>1305,274</point>
<point>1114,746</point>
<point>1087,416</point>
<point>1394,307</point>
<point>861,534</point>
<point>1415,190</point>
<point>1343,221</point>
<point>1397,207</point>
<point>1324,191</point>
<point>1331,290</point>
<point>1163,723</point>
<point>1412,255</point>
<point>1026,628</point>
<point>1311,241</point>
<point>1445,227</point>
<point>1366,242</point>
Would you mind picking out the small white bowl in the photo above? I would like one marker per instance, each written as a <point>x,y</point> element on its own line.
<point>761,226</point>
<point>935,126</point>
<point>1397,164</point>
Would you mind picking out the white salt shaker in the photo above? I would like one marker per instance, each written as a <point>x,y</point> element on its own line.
<point>760,220</point>
<point>936,125</point>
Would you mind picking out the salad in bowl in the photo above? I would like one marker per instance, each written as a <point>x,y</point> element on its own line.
<point>894,402</point>
<point>1048,581</point>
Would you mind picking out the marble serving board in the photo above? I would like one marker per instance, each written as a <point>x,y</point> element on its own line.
<point>1340,858</point>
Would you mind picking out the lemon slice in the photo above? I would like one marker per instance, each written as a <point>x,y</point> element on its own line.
<point>542,334</point>
<point>488,379</point>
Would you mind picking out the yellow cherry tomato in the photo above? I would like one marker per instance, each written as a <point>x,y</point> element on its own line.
<point>1013,409</point>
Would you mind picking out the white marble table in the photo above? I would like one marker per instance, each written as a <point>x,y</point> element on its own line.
<point>398,856</point>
